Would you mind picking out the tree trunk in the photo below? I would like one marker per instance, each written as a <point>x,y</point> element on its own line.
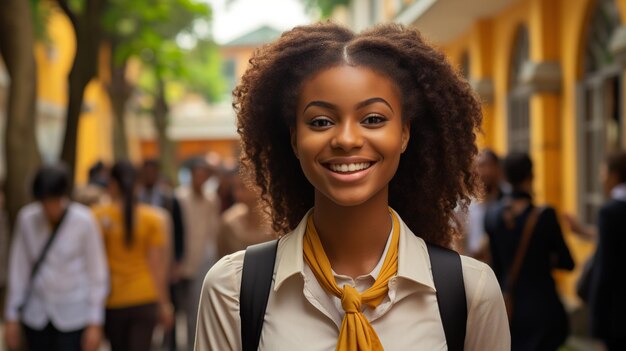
<point>119,93</point>
<point>87,31</point>
<point>166,147</point>
<point>22,155</point>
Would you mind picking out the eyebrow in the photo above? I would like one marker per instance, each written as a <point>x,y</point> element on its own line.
<point>360,105</point>
<point>373,100</point>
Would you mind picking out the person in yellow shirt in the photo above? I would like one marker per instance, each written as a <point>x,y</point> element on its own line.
<point>135,241</point>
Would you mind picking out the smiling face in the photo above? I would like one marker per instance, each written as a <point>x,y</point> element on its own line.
<point>349,133</point>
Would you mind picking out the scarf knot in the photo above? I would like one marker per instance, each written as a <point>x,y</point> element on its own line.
<point>356,333</point>
<point>351,299</point>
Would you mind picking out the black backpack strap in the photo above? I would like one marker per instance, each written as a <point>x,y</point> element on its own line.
<point>256,281</point>
<point>448,278</point>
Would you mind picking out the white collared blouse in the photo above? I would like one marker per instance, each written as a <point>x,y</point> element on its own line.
<point>301,315</point>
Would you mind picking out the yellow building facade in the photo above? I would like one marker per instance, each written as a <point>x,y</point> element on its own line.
<point>551,76</point>
<point>559,33</point>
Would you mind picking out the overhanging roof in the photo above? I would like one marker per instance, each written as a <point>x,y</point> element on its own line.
<point>444,20</point>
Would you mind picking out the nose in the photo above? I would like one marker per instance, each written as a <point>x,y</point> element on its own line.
<point>348,136</point>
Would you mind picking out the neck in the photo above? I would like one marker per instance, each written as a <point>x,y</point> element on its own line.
<point>354,237</point>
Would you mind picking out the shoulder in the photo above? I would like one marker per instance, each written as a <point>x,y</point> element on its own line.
<point>149,213</point>
<point>29,211</point>
<point>481,285</point>
<point>547,211</point>
<point>101,210</point>
<point>223,281</point>
<point>613,208</point>
<point>487,322</point>
<point>81,212</point>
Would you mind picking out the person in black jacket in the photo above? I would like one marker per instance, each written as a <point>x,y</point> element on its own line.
<point>607,292</point>
<point>538,320</point>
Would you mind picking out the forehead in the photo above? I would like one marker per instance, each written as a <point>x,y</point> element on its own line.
<point>347,85</point>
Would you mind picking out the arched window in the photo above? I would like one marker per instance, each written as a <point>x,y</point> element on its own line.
<point>600,106</point>
<point>519,95</point>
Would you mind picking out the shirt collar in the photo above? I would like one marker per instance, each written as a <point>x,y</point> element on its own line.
<point>413,260</point>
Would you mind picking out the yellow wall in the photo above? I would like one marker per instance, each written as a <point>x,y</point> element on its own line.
<point>54,60</point>
<point>557,32</point>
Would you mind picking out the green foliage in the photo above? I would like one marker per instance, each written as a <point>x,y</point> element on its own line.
<point>134,26</point>
<point>204,69</point>
<point>325,7</point>
<point>40,13</point>
<point>172,40</point>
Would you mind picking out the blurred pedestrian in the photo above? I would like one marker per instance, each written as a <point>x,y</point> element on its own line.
<point>135,239</point>
<point>154,192</point>
<point>489,171</point>
<point>526,245</point>
<point>201,218</point>
<point>94,192</point>
<point>225,190</point>
<point>607,290</point>
<point>58,276</point>
<point>243,224</point>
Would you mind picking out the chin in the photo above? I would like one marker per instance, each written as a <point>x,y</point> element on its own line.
<point>350,198</point>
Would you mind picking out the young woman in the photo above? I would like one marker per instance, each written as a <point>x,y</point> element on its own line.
<point>134,236</point>
<point>345,135</point>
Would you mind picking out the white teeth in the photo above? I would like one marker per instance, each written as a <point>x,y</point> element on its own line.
<point>349,167</point>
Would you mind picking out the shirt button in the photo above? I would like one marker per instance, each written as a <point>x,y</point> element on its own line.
<point>393,282</point>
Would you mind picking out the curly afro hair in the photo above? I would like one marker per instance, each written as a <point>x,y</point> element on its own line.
<point>435,173</point>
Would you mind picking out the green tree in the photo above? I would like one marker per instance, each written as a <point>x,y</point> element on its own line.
<point>131,28</point>
<point>151,33</point>
<point>147,30</point>
<point>196,70</point>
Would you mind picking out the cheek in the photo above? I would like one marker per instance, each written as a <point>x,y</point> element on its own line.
<point>309,144</point>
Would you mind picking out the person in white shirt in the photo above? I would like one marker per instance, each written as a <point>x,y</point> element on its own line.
<point>62,306</point>
<point>361,145</point>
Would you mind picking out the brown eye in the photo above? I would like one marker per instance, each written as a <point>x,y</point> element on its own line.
<point>320,122</point>
<point>373,120</point>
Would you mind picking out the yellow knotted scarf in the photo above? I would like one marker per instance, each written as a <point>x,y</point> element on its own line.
<point>356,333</point>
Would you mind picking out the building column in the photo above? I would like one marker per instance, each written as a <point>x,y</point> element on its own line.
<point>543,76</point>
<point>481,72</point>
